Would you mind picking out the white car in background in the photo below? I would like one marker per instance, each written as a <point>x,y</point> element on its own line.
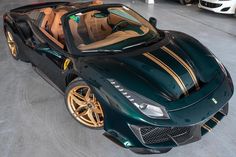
<point>219,6</point>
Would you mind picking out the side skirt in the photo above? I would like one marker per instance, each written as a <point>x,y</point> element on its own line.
<point>40,73</point>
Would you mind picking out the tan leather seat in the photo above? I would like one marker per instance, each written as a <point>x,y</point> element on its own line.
<point>96,2</point>
<point>98,28</point>
<point>56,29</point>
<point>48,18</point>
<point>114,38</point>
<point>51,26</point>
<point>114,19</point>
<point>74,30</point>
<point>83,31</point>
<point>109,40</point>
<point>52,39</point>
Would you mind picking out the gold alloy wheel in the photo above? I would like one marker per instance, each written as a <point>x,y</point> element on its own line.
<point>84,106</point>
<point>11,43</point>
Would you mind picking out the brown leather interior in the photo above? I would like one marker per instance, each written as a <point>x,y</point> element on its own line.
<point>98,28</point>
<point>101,32</point>
<point>90,33</point>
<point>82,30</point>
<point>48,18</point>
<point>74,30</point>
<point>113,38</point>
<point>56,28</point>
<point>96,2</point>
<point>51,25</point>
<point>114,19</point>
<point>52,39</point>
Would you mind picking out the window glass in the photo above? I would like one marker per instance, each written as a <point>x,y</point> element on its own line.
<point>109,29</point>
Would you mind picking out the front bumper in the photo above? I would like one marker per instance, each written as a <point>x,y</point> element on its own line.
<point>175,136</point>
<point>185,126</point>
<point>156,140</point>
<point>223,7</point>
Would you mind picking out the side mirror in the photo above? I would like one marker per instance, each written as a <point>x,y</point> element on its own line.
<point>153,21</point>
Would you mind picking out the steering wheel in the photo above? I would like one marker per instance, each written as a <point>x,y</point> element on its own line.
<point>120,25</point>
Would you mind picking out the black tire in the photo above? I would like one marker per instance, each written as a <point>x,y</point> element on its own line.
<point>74,84</point>
<point>184,2</point>
<point>16,56</point>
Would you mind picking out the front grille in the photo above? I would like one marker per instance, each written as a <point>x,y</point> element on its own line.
<point>150,135</point>
<point>213,121</point>
<point>154,135</point>
<point>210,5</point>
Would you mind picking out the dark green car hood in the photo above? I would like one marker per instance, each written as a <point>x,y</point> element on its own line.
<point>144,76</point>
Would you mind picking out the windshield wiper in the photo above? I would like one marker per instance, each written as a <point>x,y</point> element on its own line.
<point>102,51</point>
<point>153,40</point>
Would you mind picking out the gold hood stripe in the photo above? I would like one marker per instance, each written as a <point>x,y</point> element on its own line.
<point>168,70</point>
<point>184,64</point>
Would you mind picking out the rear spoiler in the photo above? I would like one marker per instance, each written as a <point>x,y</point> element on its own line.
<point>39,5</point>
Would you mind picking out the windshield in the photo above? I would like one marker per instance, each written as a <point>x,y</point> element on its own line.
<point>109,28</point>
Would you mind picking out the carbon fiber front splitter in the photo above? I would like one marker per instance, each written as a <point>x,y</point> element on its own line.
<point>157,140</point>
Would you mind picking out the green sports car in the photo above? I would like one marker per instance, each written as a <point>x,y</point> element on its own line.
<point>149,89</point>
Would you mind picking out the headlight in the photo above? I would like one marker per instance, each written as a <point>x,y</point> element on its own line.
<point>146,106</point>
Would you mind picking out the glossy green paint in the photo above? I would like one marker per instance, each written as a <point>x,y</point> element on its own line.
<point>139,74</point>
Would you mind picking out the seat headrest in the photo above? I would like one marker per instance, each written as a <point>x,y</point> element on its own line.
<point>47,19</point>
<point>47,11</point>
<point>56,28</point>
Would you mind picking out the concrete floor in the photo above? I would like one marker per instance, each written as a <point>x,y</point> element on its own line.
<point>34,120</point>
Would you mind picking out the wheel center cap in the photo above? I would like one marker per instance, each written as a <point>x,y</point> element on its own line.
<point>90,105</point>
